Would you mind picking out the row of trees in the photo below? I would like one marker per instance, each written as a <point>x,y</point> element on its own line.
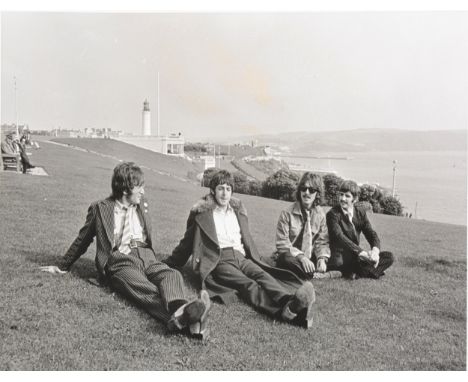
<point>282,186</point>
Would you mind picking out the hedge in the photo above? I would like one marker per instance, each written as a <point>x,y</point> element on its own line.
<point>282,186</point>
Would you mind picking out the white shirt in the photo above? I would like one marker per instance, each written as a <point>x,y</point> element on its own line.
<point>119,220</point>
<point>228,229</point>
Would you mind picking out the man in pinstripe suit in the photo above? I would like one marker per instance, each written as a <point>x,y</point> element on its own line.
<point>125,257</point>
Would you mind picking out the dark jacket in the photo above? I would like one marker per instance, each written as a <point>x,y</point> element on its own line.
<point>200,241</point>
<point>344,238</point>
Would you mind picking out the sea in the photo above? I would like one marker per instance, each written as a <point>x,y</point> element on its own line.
<point>431,185</point>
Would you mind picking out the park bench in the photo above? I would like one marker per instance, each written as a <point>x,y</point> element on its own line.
<point>12,162</point>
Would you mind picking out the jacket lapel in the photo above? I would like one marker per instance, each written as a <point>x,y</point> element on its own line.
<point>107,214</point>
<point>349,227</point>
<point>206,222</point>
<point>144,219</point>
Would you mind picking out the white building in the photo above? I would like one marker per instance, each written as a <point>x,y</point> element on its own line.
<point>168,145</point>
<point>146,128</point>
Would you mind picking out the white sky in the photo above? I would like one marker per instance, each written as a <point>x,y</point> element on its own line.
<point>236,73</point>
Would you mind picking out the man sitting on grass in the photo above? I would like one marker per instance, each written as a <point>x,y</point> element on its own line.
<point>225,258</point>
<point>345,223</point>
<point>125,257</point>
<point>302,234</point>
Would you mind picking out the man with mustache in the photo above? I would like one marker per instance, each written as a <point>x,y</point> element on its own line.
<point>345,223</point>
<point>302,234</point>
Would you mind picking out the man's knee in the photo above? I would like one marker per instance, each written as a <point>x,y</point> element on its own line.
<point>287,259</point>
<point>387,257</point>
<point>336,261</point>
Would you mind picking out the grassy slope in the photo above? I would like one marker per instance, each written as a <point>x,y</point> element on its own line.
<point>414,318</point>
<point>163,163</point>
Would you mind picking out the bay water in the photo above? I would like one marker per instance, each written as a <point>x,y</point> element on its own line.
<point>432,185</point>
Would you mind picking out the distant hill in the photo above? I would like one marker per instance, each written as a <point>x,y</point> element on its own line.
<point>367,140</point>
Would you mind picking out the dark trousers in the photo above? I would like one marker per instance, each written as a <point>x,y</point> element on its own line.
<point>255,286</point>
<point>292,264</point>
<point>146,281</point>
<point>349,263</point>
<point>25,161</point>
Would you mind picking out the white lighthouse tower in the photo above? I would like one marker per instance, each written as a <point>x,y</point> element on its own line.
<point>146,128</point>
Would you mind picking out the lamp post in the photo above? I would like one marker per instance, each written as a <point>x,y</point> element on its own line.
<point>394,177</point>
<point>16,111</point>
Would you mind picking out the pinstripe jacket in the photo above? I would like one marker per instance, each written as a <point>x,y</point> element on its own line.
<point>100,224</point>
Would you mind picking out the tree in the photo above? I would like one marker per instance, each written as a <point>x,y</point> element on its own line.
<point>255,187</point>
<point>391,206</point>
<point>281,185</point>
<point>208,174</point>
<point>332,184</point>
<point>241,183</point>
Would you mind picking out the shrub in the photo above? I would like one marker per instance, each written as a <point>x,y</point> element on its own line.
<point>195,147</point>
<point>367,192</point>
<point>281,185</point>
<point>332,184</point>
<point>241,183</point>
<point>208,174</point>
<point>365,204</point>
<point>391,206</point>
<point>255,187</point>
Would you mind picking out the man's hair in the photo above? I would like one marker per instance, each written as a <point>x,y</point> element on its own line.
<point>315,181</point>
<point>127,175</point>
<point>222,177</point>
<point>350,186</point>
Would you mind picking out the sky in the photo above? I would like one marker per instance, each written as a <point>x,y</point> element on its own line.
<point>233,74</point>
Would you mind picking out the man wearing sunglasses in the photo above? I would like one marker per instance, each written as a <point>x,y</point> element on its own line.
<point>301,233</point>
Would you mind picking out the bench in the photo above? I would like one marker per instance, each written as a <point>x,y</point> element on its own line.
<point>12,162</point>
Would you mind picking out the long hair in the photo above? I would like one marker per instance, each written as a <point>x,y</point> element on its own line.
<point>315,181</point>
<point>126,176</point>
<point>221,177</point>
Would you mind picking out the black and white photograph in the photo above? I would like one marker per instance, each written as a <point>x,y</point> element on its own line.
<point>233,189</point>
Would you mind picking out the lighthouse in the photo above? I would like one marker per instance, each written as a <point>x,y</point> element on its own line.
<point>146,128</point>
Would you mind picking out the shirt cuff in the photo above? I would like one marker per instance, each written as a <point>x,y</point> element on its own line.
<point>295,252</point>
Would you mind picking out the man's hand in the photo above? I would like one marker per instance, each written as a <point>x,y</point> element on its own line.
<point>374,255</point>
<point>321,265</point>
<point>52,269</point>
<point>365,256</point>
<point>307,265</point>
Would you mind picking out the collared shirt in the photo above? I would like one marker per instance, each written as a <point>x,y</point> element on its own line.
<point>349,213</point>
<point>228,229</point>
<point>120,211</point>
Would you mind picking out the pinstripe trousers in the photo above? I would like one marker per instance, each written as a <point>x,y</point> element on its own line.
<point>148,282</point>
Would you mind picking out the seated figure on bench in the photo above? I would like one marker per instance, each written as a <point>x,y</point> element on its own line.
<point>11,148</point>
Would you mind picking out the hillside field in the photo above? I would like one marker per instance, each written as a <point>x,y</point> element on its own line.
<point>414,318</point>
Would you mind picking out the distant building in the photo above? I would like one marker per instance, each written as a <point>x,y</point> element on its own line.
<point>167,145</point>
<point>146,127</point>
<point>11,128</point>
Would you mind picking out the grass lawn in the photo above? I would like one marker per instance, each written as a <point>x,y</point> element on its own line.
<point>414,318</point>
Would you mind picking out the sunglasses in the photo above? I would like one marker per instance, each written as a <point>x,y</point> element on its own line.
<point>311,189</point>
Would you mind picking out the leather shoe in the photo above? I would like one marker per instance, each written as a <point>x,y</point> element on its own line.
<point>199,329</point>
<point>328,275</point>
<point>192,315</point>
<point>299,308</point>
